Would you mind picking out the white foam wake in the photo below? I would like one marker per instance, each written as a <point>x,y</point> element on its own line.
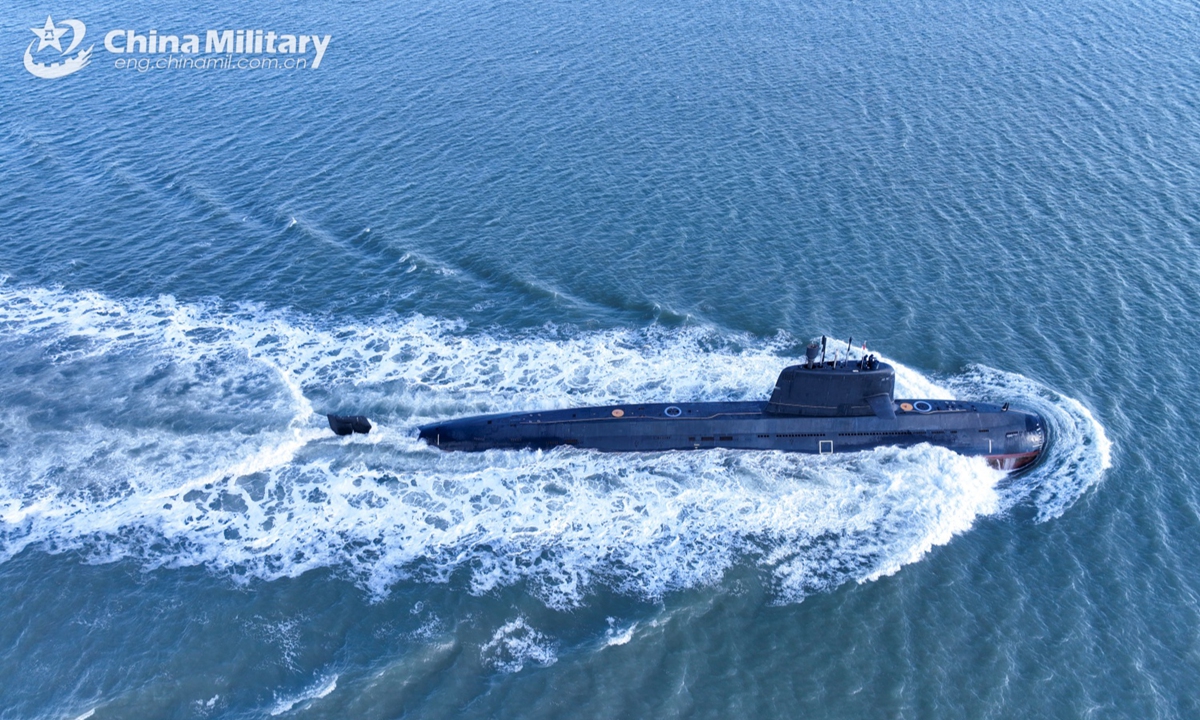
<point>320,689</point>
<point>514,644</point>
<point>183,434</point>
<point>1079,450</point>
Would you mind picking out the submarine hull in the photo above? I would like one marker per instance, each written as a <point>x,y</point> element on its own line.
<point>1009,439</point>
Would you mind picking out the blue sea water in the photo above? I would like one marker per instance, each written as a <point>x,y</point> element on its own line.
<point>474,207</point>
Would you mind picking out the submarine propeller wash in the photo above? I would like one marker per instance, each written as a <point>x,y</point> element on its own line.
<point>816,407</point>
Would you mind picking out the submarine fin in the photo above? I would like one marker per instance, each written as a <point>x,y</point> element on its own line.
<point>347,424</point>
<point>882,405</point>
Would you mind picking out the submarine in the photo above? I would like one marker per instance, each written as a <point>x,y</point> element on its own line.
<point>819,407</point>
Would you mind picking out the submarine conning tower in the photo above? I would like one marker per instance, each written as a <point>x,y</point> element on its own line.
<point>835,389</point>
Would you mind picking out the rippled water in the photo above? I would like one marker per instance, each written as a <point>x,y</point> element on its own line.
<point>476,208</point>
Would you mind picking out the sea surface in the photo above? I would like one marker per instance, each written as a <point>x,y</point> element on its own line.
<point>497,205</point>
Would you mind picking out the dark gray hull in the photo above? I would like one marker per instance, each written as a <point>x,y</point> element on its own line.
<point>1009,439</point>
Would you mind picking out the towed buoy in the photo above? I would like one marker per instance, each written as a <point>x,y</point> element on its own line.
<point>347,424</point>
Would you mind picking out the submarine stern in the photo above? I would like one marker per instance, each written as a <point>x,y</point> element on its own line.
<point>472,433</point>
